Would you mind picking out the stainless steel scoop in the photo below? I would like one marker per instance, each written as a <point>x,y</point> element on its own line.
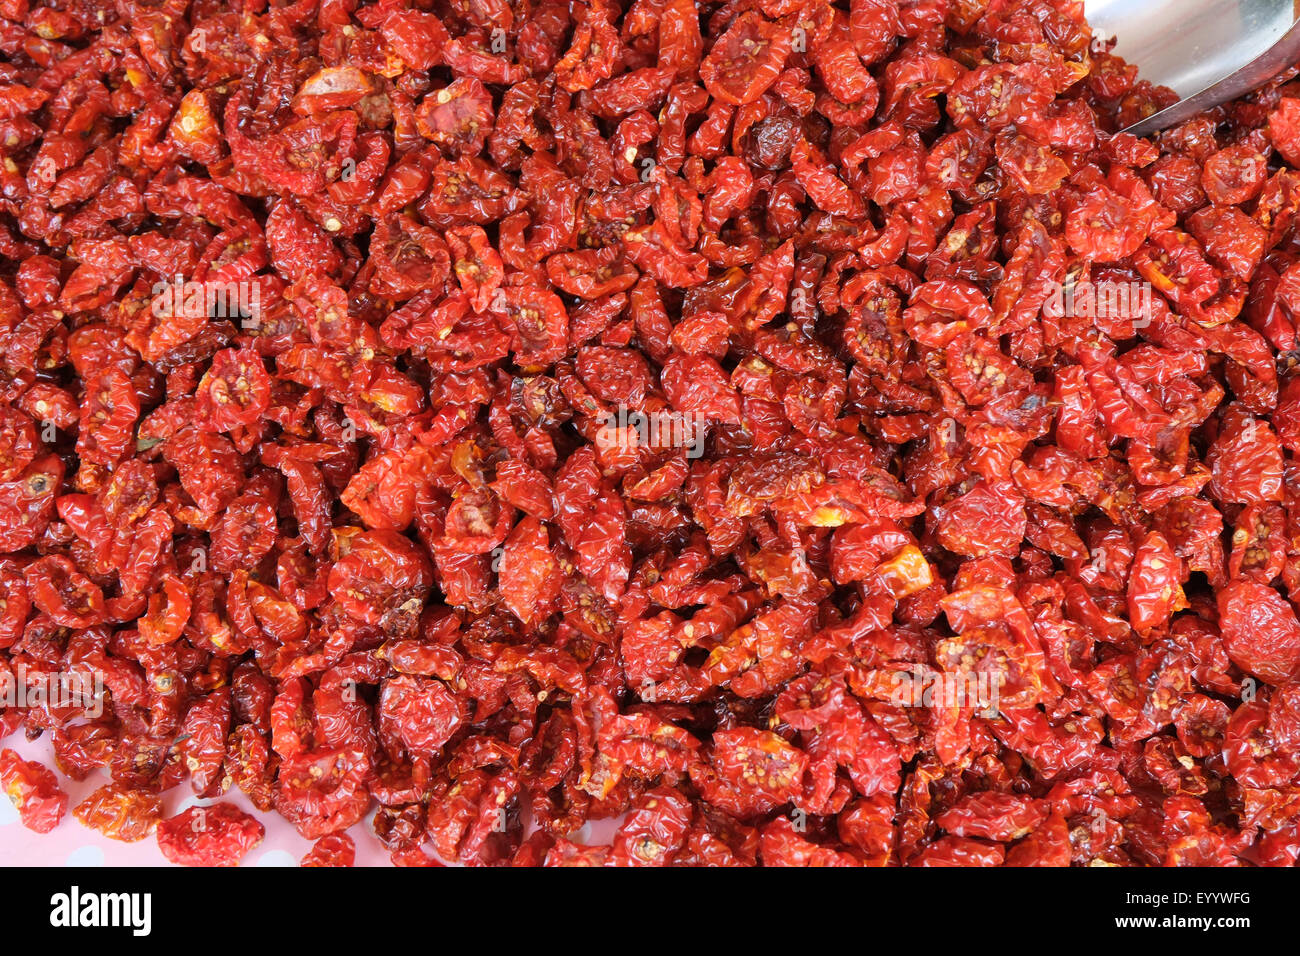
<point>1207,51</point>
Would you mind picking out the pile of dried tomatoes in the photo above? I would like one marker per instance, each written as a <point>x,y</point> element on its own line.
<point>379,533</point>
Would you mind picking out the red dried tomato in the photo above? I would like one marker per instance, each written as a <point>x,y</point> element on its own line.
<point>335,849</point>
<point>34,791</point>
<point>123,813</point>
<point>805,434</point>
<point>216,835</point>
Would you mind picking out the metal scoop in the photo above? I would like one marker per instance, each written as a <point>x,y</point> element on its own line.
<point>1207,51</point>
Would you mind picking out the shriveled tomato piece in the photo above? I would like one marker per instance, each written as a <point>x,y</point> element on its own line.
<point>195,130</point>
<point>297,245</point>
<point>14,603</point>
<point>408,258</point>
<point>476,522</point>
<point>1105,226</point>
<point>1234,175</point>
<point>1260,630</point>
<point>1252,754</point>
<point>216,835</point>
<point>477,265</point>
<point>993,816</point>
<point>244,536</point>
<point>457,117</point>
<point>989,518</point>
<point>537,323</point>
<point>697,385</point>
<point>996,96</point>
<point>654,831</point>
<point>382,579</point>
<point>108,416</point>
<point>875,27</point>
<point>1230,237</point>
<point>1245,460</point>
<point>169,612</point>
<point>18,445</point>
<point>420,712</point>
<point>27,502</point>
<point>590,273</point>
<point>120,813</point>
<point>235,390</point>
<point>415,36</point>
<point>746,60</point>
<point>750,771</point>
<point>60,590</point>
<point>1034,167</point>
<point>34,791</point>
<point>332,88</point>
<point>323,791</point>
<point>333,849</point>
<point>1174,264</point>
<point>530,574</point>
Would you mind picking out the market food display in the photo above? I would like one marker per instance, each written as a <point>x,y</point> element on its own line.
<point>797,433</point>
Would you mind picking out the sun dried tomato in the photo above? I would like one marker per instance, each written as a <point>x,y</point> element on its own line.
<point>216,835</point>
<point>69,597</point>
<point>536,322</point>
<point>750,772</point>
<point>420,713</point>
<point>745,60</point>
<point>334,849</point>
<point>168,613</point>
<point>1234,175</point>
<point>120,812</point>
<point>34,791</point>
<point>459,116</point>
<point>381,579</point>
<point>27,503</point>
<point>322,791</point>
<point>1260,630</point>
<point>681,418</point>
<point>530,577</point>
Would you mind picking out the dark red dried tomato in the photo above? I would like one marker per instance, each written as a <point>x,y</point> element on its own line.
<point>805,434</point>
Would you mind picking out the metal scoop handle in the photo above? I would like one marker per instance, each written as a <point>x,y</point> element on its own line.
<point>1208,51</point>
